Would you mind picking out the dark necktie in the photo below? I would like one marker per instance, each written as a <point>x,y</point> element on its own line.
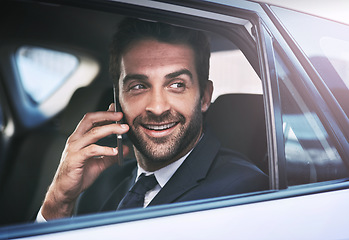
<point>135,197</point>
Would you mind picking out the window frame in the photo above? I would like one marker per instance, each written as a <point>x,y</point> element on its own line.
<point>276,151</point>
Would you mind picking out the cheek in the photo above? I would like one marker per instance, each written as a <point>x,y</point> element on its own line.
<point>131,109</point>
<point>130,114</point>
<point>186,105</point>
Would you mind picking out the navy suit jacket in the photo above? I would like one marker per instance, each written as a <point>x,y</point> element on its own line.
<point>209,171</point>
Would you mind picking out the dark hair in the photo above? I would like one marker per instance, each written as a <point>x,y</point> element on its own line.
<point>132,30</point>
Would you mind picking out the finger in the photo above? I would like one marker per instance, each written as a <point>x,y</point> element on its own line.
<point>126,151</point>
<point>100,132</point>
<point>111,108</point>
<point>95,150</point>
<point>91,120</point>
<point>102,123</point>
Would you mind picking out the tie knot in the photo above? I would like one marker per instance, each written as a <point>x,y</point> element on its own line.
<point>135,197</point>
<point>144,184</point>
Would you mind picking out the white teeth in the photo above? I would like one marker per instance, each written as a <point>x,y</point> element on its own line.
<point>160,127</point>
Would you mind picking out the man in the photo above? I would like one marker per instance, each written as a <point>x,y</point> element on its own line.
<point>161,74</point>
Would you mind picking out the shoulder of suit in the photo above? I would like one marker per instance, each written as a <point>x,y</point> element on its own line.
<point>231,160</point>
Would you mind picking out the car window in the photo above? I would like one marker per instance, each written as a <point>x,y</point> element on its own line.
<point>42,71</point>
<point>327,48</point>
<point>233,74</point>
<point>310,153</point>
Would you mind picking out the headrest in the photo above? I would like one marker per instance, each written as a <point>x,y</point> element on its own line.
<point>239,123</point>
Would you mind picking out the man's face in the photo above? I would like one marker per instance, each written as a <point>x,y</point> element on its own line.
<point>160,98</point>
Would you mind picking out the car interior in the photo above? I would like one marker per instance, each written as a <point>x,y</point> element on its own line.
<point>32,140</point>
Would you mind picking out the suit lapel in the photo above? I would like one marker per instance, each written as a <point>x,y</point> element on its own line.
<point>189,174</point>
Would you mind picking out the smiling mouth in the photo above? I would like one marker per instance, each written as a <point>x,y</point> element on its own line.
<point>159,127</point>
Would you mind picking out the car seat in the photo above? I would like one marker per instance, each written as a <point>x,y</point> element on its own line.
<point>238,121</point>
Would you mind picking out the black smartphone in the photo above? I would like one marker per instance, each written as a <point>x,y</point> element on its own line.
<point>119,136</point>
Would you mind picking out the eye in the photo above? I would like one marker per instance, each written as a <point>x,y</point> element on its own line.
<point>137,87</point>
<point>177,85</point>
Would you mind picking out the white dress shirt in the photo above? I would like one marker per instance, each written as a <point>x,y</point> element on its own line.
<point>162,176</point>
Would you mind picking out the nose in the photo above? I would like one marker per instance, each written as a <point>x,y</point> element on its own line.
<point>158,102</point>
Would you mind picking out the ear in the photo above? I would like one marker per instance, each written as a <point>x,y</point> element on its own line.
<point>207,95</point>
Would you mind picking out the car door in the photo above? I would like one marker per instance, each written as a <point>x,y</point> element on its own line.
<point>307,143</point>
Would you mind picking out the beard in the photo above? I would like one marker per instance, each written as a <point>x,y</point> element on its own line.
<point>171,147</point>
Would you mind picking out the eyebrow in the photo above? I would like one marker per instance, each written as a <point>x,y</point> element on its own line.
<point>180,72</point>
<point>129,77</point>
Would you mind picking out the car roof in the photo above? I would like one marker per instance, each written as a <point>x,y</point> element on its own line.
<point>336,10</point>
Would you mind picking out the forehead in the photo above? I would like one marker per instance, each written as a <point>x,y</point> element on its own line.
<point>148,53</point>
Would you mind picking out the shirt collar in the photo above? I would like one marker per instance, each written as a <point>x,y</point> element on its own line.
<point>164,174</point>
